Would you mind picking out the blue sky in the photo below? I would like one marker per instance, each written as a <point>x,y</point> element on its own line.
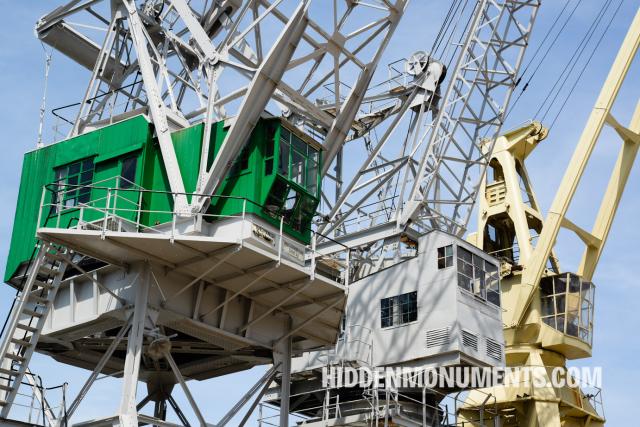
<point>615,346</point>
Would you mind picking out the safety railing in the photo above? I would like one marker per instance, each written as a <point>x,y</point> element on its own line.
<point>510,255</point>
<point>118,205</point>
<point>269,415</point>
<point>111,106</point>
<point>356,344</point>
<point>32,404</point>
<point>579,392</point>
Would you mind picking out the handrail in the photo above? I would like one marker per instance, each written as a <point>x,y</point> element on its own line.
<point>109,207</point>
<point>73,187</point>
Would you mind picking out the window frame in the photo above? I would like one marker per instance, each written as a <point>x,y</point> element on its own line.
<point>270,150</point>
<point>482,282</point>
<point>389,305</point>
<point>310,161</point>
<point>124,182</point>
<point>447,259</point>
<point>66,198</point>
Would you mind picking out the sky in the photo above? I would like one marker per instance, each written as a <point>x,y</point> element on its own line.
<point>616,317</point>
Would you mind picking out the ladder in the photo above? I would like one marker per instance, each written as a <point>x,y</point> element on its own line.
<point>27,318</point>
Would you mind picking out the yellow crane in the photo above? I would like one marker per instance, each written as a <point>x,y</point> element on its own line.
<point>548,313</point>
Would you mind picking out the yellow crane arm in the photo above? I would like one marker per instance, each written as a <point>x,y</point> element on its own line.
<point>609,205</point>
<point>556,217</point>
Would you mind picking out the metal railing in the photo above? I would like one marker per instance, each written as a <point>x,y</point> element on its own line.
<point>269,415</point>
<point>118,205</point>
<point>32,404</point>
<point>66,116</point>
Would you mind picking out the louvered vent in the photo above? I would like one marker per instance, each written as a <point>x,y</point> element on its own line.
<point>494,349</point>
<point>438,337</point>
<point>470,340</point>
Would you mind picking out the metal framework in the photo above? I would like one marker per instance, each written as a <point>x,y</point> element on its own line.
<point>594,240</point>
<point>536,338</point>
<point>183,62</point>
<point>430,177</point>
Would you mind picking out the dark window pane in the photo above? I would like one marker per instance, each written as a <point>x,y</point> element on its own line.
<point>271,135</point>
<point>299,146</point>
<point>385,322</point>
<point>399,309</point>
<point>244,159</point>
<point>464,254</point>
<point>285,134</point>
<point>87,164</point>
<point>84,195</point>
<point>445,257</point>
<point>574,283</point>
<point>493,297</point>
<point>283,159</point>
<point>467,269</point>
<point>74,168</point>
<point>86,177</point>
<point>478,262</point>
<point>560,284</point>
<point>268,167</point>
<point>464,282</point>
<point>276,197</point>
<point>128,173</point>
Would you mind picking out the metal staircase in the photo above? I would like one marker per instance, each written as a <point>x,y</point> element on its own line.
<point>27,318</point>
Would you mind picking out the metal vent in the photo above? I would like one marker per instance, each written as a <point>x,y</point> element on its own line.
<point>438,337</point>
<point>470,340</point>
<point>494,349</point>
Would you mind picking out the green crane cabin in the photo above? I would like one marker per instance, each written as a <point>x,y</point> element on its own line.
<point>276,177</point>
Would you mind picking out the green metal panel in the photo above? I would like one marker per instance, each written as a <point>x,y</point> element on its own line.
<point>38,170</point>
<point>254,183</point>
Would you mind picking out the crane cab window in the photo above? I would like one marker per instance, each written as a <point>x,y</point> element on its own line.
<point>71,180</point>
<point>478,276</point>
<point>294,192</point>
<point>128,172</point>
<point>399,310</point>
<point>445,257</point>
<point>298,161</point>
<point>269,150</point>
<point>567,305</point>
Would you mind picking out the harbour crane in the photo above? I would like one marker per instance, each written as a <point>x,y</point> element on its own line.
<point>202,215</point>
<point>205,126</point>
<point>548,313</point>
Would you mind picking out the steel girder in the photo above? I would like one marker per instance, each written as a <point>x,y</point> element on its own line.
<point>186,62</point>
<point>429,178</point>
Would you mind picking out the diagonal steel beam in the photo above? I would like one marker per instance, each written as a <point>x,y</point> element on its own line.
<point>157,107</point>
<point>258,95</point>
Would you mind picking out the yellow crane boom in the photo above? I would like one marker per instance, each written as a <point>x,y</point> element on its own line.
<point>556,218</point>
<point>548,313</point>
